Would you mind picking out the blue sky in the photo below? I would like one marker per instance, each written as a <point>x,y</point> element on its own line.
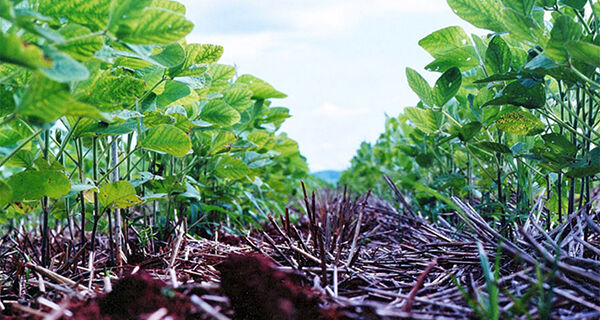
<point>341,63</point>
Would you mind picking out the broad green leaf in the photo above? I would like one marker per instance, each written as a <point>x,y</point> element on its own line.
<point>6,10</point>
<point>464,58</point>
<point>33,185</point>
<point>519,95</point>
<point>584,52</point>
<point>173,91</point>
<point>443,41</point>
<point>494,147</point>
<point>485,14</point>
<point>231,168</point>
<point>596,9</point>
<point>560,144</point>
<point>259,138</point>
<point>260,89</point>
<point>196,56</point>
<point>420,86</point>
<point>498,56</point>
<point>523,7</point>
<point>447,86</point>
<point>220,141</point>
<point>119,194</point>
<point>170,56</point>
<point>169,5</point>
<point>64,68</point>
<point>167,138</point>
<point>80,43</point>
<point>575,4</point>
<point>156,118</point>
<point>109,92</point>
<point>285,146</point>
<point>45,101</point>
<point>14,50</point>
<point>6,194</point>
<point>9,137</point>
<point>22,159</point>
<point>90,13</point>
<point>239,97</point>
<point>588,167</point>
<point>219,113</point>
<point>424,119</point>
<point>7,100</point>
<point>521,27</point>
<point>133,21</point>
<point>221,71</point>
<point>565,29</point>
<point>520,123</point>
<point>469,130</point>
<point>276,115</point>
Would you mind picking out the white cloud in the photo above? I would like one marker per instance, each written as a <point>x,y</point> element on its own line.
<point>329,109</point>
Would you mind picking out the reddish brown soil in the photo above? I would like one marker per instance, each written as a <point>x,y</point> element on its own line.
<point>259,291</point>
<point>133,297</point>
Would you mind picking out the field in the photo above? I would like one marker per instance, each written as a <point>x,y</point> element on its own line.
<point>142,179</point>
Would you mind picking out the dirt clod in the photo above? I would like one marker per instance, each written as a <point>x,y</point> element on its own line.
<point>257,290</point>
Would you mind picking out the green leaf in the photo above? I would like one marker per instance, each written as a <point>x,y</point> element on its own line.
<point>6,10</point>
<point>521,27</point>
<point>259,138</point>
<point>494,147</point>
<point>419,86</point>
<point>260,89</point>
<point>119,194</point>
<point>155,118</point>
<point>520,123</point>
<point>584,52</point>
<point>133,21</point>
<point>14,50</point>
<point>498,56</point>
<point>196,55</point>
<point>424,119</point>
<point>90,13</point>
<point>469,130</point>
<point>565,29</point>
<point>109,92</point>
<point>519,95</point>
<point>45,101</point>
<point>64,67</point>
<point>33,185</point>
<point>239,97</point>
<point>443,41</point>
<point>169,56</point>
<point>231,168</point>
<point>559,144</point>
<point>221,140</point>
<point>80,43</point>
<point>588,167</point>
<point>174,90</point>
<point>167,138</point>
<point>6,194</point>
<point>447,86</point>
<point>523,7</point>
<point>219,113</point>
<point>485,14</point>
<point>575,4</point>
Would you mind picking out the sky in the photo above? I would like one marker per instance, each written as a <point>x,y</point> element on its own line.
<point>341,63</point>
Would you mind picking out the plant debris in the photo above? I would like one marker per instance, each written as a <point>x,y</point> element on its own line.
<point>360,258</point>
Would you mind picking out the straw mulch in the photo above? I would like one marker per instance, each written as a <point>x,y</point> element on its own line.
<point>346,258</point>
